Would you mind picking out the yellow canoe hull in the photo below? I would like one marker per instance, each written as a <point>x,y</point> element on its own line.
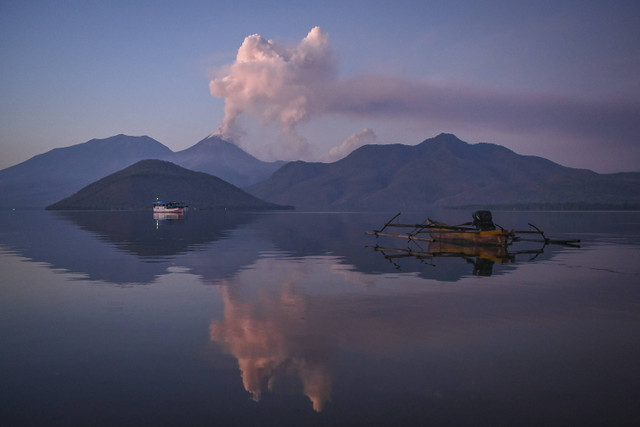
<point>499,238</point>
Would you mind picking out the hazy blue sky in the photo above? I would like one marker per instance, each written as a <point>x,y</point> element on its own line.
<point>560,79</point>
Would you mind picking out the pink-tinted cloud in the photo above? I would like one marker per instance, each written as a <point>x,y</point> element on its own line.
<point>288,85</point>
<point>275,83</point>
<point>389,97</point>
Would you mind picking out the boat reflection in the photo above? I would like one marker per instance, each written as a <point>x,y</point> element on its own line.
<point>481,257</point>
<point>167,216</point>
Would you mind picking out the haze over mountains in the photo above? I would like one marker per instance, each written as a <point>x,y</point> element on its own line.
<point>440,171</point>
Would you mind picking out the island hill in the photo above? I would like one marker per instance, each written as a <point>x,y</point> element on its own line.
<point>138,186</point>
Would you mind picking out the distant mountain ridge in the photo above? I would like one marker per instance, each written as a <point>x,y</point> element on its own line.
<point>215,156</point>
<point>442,171</point>
<point>139,185</point>
<point>48,177</point>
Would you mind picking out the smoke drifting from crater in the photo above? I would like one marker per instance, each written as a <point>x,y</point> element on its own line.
<point>276,84</point>
<point>357,140</point>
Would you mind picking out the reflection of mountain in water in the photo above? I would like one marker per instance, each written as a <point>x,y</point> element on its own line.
<point>132,247</point>
<point>128,247</point>
<point>139,233</point>
<point>42,237</point>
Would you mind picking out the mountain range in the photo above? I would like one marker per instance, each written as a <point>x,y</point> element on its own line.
<point>444,171</point>
<point>51,176</point>
<point>441,171</point>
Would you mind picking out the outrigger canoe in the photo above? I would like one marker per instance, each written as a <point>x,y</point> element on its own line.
<point>482,233</point>
<point>482,245</point>
<point>458,235</point>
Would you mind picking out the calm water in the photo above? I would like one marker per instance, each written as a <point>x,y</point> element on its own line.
<point>287,319</point>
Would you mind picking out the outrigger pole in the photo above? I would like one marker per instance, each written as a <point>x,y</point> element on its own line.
<point>403,236</point>
<point>388,223</point>
<point>420,227</point>
<point>573,243</point>
<point>409,236</point>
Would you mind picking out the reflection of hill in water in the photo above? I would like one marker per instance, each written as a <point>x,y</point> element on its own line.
<point>132,247</point>
<point>43,237</point>
<point>139,233</point>
<point>127,247</point>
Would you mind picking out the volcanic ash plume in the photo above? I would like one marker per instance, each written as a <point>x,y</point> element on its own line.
<point>357,140</point>
<point>276,84</point>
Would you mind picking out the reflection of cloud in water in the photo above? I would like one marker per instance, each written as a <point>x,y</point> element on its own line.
<point>352,276</point>
<point>270,333</point>
<point>286,318</point>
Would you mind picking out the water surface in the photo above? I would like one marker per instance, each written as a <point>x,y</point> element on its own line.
<point>288,319</point>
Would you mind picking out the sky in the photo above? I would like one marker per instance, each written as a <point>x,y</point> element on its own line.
<point>315,80</point>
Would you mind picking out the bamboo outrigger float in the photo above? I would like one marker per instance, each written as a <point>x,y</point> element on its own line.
<point>481,232</point>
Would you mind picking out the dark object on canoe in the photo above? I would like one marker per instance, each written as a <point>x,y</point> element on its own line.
<point>483,221</point>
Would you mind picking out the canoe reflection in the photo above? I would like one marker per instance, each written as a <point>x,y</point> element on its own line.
<point>481,257</point>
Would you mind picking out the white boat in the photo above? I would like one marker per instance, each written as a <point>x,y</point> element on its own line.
<point>169,207</point>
